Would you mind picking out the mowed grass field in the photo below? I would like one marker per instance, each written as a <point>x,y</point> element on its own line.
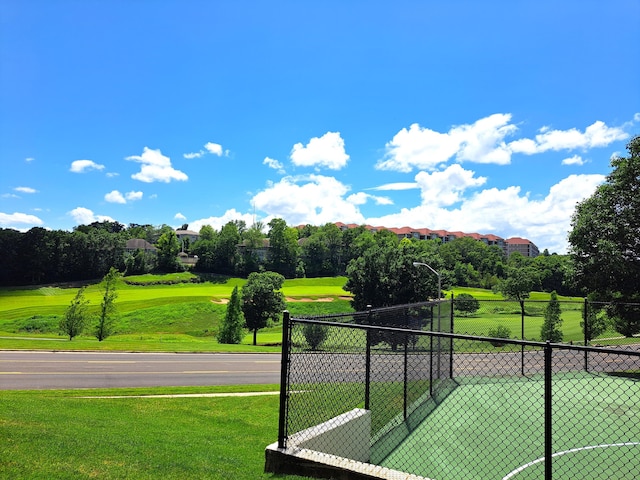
<point>182,316</point>
<point>82,434</point>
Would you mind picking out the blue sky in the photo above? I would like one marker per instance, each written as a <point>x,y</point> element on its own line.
<point>489,117</point>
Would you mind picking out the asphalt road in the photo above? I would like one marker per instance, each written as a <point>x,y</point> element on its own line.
<point>21,370</point>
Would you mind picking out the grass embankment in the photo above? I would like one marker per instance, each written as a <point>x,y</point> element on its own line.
<point>174,313</point>
<point>166,313</point>
<point>57,434</point>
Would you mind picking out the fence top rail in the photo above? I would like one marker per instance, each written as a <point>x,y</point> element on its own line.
<point>456,336</point>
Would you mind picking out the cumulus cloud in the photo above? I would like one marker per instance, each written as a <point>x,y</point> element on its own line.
<point>275,164</point>
<point>82,166</point>
<point>115,197</point>
<point>25,190</point>
<point>326,151</point>
<point>179,216</point>
<point>507,212</point>
<point>314,199</point>
<point>595,135</point>
<point>446,187</point>
<point>218,222</point>
<point>574,160</point>
<point>362,198</point>
<point>29,159</point>
<point>424,149</point>
<point>155,167</point>
<point>214,148</point>
<point>484,142</point>
<point>84,216</point>
<point>9,220</point>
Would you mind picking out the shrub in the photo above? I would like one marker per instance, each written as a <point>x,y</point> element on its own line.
<point>499,332</point>
<point>315,335</point>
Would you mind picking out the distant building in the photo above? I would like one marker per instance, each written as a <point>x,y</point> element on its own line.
<point>135,244</point>
<point>521,245</point>
<point>514,244</point>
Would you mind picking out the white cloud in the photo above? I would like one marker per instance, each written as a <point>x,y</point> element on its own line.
<point>155,167</point>
<point>115,197</point>
<point>446,187</point>
<point>214,148</point>
<point>218,222</point>
<point>326,151</point>
<point>484,142</point>
<point>10,195</point>
<point>362,198</point>
<point>424,149</point>
<point>575,160</point>
<point>8,220</point>
<point>25,190</point>
<point>313,199</point>
<point>82,166</point>
<point>179,216</point>
<point>275,164</point>
<point>29,159</point>
<point>506,212</point>
<point>84,216</point>
<point>595,135</point>
<point>396,186</point>
<point>194,155</point>
<point>133,196</point>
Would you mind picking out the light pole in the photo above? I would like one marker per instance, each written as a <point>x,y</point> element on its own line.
<point>421,264</point>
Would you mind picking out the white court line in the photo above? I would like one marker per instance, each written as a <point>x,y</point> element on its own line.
<point>573,450</point>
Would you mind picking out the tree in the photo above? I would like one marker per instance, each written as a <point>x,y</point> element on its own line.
<point>262,301</point>
<point>466,304</point>
<point>550,330</point>
<point>315,335</point>
<point>596,323</point>
<point>605,241</point>
<point>75,317</point>
<point>518,285</point>
<point>231,329</point>
<point>106,317</point>
<point>283,248</point>
<point>168,248</point>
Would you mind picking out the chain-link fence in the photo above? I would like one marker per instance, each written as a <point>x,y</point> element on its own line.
<point>581,322</point>
<point>393,389</point>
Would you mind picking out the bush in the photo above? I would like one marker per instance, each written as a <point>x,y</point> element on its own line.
<point>499,332</point>
<point>315,335</point>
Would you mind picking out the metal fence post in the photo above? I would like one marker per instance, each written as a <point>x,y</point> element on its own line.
<point>406,378</point>
<point>522,335</point>
<point>548,424</point>
<point>431,355</point>
<point>585,319</point>
<point>451,341</point>
<point>284,376</point>
<point>367,365</point>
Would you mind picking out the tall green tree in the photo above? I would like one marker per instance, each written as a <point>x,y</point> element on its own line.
<point>168,248</point>
<point>605,241</point>
<point>262,300</point>
<point>519,284</point>
<point>550,330</point>
<point>231,330</point>
<point>107,312</point>
<point>283,248</point>
<point>76,315</point>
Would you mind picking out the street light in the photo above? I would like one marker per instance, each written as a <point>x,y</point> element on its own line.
<point>421,264</point>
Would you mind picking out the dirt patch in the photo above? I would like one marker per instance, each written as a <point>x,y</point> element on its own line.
<point>326,299</point>
<point>220,301</point>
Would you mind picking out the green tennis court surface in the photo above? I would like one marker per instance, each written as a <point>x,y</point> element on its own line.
<point>494,429</point>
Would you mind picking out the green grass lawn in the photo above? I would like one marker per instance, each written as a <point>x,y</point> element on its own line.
<point>174,313</point>
<point>57,434</point>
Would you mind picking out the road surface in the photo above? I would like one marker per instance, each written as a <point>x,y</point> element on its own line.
<point>36,370</point>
